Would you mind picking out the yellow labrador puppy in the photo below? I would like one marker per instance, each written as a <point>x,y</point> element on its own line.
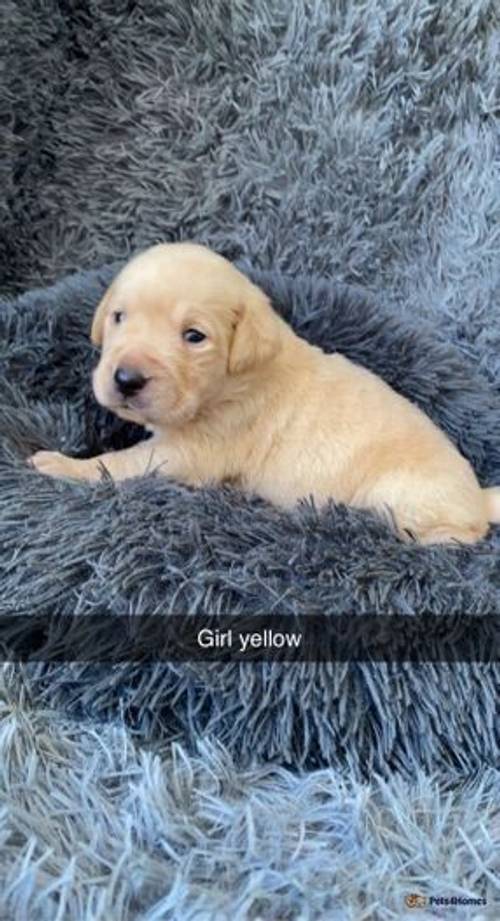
<point>194,351</point>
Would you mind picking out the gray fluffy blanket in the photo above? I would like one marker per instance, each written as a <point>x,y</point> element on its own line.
<point>150,545</point>
<point>356,141</point>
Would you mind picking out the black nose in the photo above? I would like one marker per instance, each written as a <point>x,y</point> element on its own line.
<point>129,381</point>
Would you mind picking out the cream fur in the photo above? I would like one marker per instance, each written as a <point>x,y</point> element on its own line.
<point>256,405</point>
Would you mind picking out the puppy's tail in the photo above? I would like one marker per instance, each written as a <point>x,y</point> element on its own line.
<point>492,500</point>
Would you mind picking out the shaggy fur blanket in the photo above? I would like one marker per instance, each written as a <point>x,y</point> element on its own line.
<point>152,545</point>
<point>354,141</point>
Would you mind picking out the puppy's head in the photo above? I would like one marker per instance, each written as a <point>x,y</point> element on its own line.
<point>176,326</point>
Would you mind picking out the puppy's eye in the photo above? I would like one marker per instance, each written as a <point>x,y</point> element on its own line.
<point>193,335</point>
<point>118,316</point>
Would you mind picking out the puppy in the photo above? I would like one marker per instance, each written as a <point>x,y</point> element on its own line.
<point>193,350</point>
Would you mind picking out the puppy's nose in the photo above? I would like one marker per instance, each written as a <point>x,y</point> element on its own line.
<point>129,381</point>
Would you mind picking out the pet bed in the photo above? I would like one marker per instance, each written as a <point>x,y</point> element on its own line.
<point>151,544</point>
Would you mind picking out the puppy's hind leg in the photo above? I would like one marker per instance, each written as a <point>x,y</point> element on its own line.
<point>492,500</point>
<point>434,509</point>
<point>488,512</point>
<point>453,534</point>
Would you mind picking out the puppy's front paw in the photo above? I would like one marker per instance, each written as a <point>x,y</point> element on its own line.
<point>53,463</point>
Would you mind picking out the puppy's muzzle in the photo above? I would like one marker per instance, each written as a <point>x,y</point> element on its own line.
<point>129,381</point>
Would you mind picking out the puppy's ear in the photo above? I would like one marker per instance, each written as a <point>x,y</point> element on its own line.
<point>257,335</point>
<point>96,330</point>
